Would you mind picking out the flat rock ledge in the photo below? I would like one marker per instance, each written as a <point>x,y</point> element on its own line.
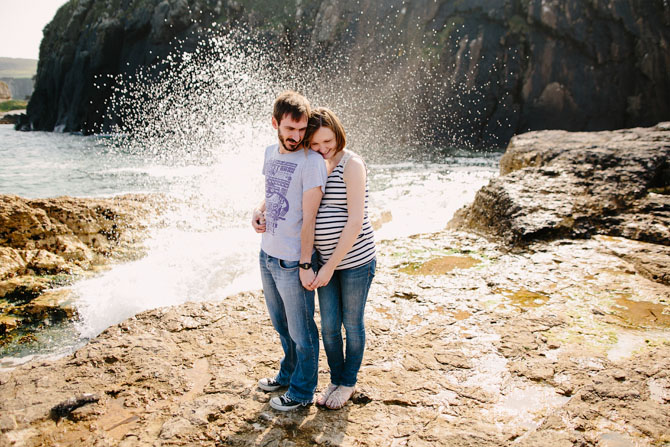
<point>557,184</point>
<point>468,344</point>
<point>46,243</point>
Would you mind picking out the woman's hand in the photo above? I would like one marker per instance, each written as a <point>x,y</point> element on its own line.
<point>322,277</point>
<point>307,278</point>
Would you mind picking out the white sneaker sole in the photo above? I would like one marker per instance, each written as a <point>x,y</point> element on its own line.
<point>268,387</point>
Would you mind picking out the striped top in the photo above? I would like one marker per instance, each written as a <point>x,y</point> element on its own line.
<point>332,217</point>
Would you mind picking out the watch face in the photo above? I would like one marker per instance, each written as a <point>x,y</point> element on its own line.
<point>305,266</point>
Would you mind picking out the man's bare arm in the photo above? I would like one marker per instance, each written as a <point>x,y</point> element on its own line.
<point>310,206</point>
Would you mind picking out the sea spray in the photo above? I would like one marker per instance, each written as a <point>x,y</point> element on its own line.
<point>192,130</point>
<point>205,115</point>
<point>393,104</point>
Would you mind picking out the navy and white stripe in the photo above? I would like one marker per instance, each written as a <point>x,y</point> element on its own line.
<point>332,217</point>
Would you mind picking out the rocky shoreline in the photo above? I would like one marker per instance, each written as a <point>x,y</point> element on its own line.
<point>12,117</point>
<point>561,345</point>
<point>473,339</point>
<point>46,243</point>
<point>557,184</point>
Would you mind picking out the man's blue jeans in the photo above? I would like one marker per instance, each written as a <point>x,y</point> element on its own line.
<point>291,309</point>
<point>342,302</point>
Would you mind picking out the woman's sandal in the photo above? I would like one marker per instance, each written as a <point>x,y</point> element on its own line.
<point>340,396</point>
<point>323,397</point>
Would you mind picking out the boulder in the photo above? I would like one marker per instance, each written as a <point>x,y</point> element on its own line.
<point>556,184</point>
<point>76,229</point>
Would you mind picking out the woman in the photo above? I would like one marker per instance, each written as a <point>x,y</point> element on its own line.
<point>345,242</point>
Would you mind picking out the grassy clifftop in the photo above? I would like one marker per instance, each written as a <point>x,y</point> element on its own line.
<point>17,68</point>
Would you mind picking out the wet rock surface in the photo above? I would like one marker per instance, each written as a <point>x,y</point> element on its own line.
<point>46,243</point>
<point>528,348</point>
<point>557,184</point>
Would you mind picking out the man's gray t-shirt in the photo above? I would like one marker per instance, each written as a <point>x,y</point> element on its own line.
<point>287,176</point>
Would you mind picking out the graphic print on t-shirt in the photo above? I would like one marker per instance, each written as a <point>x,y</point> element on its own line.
<point>278,176</point>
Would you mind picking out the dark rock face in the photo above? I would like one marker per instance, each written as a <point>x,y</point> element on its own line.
<point>20,121</point>
<point>88,40</point>
<point>556,184</point>
<point>471,72</point>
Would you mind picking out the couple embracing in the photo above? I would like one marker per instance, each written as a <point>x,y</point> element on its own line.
<point>316,235</point>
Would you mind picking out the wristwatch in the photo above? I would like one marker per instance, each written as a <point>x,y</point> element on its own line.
<point>305,265</point>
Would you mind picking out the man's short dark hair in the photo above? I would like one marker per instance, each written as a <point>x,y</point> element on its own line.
<point>292,103</point>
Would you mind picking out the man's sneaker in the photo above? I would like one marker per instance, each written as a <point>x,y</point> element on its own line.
<point>267,384</point>
<point>285,403</point>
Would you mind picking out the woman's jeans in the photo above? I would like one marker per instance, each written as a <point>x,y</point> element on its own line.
<point>342,302</point>
<point>291,309</point>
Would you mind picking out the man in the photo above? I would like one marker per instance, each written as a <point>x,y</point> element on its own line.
<point>295,179</point>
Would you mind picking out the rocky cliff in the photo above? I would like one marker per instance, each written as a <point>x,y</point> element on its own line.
<point>21,88</point>
<point>470,72</point>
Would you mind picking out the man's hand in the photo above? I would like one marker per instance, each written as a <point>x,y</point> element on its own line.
<point>323,277</point>
<point>258,221</point>
<point>306,278</point>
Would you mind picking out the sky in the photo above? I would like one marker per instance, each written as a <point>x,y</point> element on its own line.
<point>21,24</point>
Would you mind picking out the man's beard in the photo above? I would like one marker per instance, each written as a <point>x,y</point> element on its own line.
<point>283,141</point>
